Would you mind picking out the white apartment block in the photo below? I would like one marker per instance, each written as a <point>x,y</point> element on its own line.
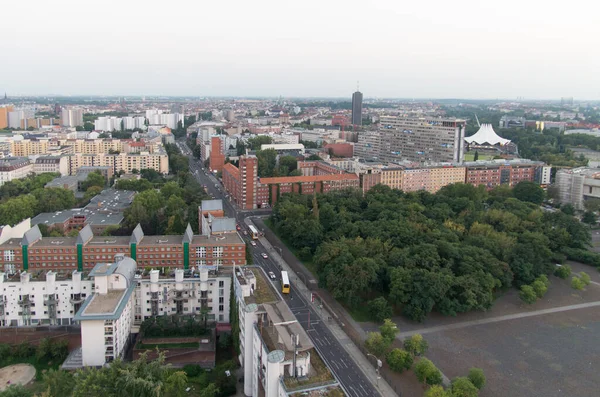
<point>71,117</point>
<point>27,299</point>
<point>123,161</point>
<point>273,344</point>
<point>14,168</point>
<point>106,316</point>
<point>158,296</point>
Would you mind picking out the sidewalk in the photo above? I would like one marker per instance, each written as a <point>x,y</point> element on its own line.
<point>357,356</point>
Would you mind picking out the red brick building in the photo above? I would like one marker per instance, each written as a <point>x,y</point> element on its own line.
<point>275,187</point>
<point>492,175</point>
<point>217,158</point>
<point>242,182</point>
<point>340,149</point>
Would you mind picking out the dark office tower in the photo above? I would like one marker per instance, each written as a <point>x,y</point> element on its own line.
<point>357,108</point>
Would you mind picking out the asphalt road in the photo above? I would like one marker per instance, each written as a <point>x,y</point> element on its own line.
<point>335,356</point>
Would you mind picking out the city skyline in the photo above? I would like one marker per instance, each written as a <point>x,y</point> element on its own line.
<point>439,50</point>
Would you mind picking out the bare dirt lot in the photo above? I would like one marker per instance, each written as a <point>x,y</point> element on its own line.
<point>20,374</point>
<point>546,349</point>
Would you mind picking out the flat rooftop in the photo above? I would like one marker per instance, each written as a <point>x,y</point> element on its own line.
<point>108,240</point>
<point>104,303</point>
<point>226,238</point>
<point>161,240</point>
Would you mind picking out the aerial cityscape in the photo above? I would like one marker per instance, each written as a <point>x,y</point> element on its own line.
<point>323,200</point>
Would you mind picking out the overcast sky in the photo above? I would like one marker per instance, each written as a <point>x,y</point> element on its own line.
<point>420,49</point>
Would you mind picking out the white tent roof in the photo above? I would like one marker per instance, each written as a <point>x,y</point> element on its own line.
<point>486,134</point>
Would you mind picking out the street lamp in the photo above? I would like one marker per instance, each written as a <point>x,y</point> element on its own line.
<point>379,365</point>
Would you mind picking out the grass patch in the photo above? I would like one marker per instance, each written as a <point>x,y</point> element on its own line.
<point>360,313</point>
<point>152,346</point>
<point>470,156</point>
<point>263,292</point>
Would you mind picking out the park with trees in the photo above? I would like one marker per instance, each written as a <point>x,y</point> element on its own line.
<point>454,251</point>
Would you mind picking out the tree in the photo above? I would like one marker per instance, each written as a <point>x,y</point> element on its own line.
<point>54,199</point>
<point>91,192</point>
<point>388,330</point>
<point>427,373</point>
<point>476,156</point>
<point>176,384</point>
<point>563,271</point>
<point>568,209</point>
<point>377,344</point>
<point>256,142</point>
<point>592,204</point>
<point>379,309</point>
<point>577,284</point>
<point>527,294</point>
<point>477,377</point>
<point>93,179</point>
<point>399,360</point>
<point>416,345</point>
<point>462,387</point>
<point>58,382</point>
<point>529,191</point>
<point>436,391</point>
<point>589,217</point>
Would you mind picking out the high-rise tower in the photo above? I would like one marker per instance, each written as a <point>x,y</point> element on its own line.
<point>357,98</point>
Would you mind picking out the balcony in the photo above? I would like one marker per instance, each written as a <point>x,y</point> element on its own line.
<point>76,299</point>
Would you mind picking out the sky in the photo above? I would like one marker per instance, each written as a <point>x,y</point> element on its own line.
<point>394,49</point>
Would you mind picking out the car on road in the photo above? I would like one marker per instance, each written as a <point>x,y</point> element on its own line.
<point>245,233</point>
<point>238,227</point>
<point>253,243</point>
<point>272,276</point>
<point>265,256</point>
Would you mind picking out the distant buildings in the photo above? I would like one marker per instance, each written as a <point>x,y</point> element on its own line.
<point>4,110</point>
<point>71,117</point>
<point>171,120</point>
<point>357,99</point>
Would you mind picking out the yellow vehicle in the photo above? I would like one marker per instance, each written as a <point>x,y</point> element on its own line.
<point>285,283</point>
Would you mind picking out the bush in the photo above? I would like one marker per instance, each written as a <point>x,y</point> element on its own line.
<point>582,255</point>
<point>192,370</point>
<point>463,387</point>
<point>379,309</point>
<point>563,272</point>
<point>23,350</point>
<point>427,372</point>
<point>477,377</point>
<point>5,351</point>
<point>585,278</point>
<point>16,391</point>
<point>528,294</point>
<point>399,360</point>
<point>539,288</point>
<point>577,283</point>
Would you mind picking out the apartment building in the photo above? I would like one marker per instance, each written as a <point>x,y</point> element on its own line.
<point>127,162</point>
<point>577,185</point>
<point>57,164</point>
<point>421,139</point>
<point>368,145</point>
<point>14,168</point>
<point>274,347</point>
<point>270,189</point>
<point>242,182</point>
<point>34,252</point>
<point>217,156</point>
<point>510,172</point>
